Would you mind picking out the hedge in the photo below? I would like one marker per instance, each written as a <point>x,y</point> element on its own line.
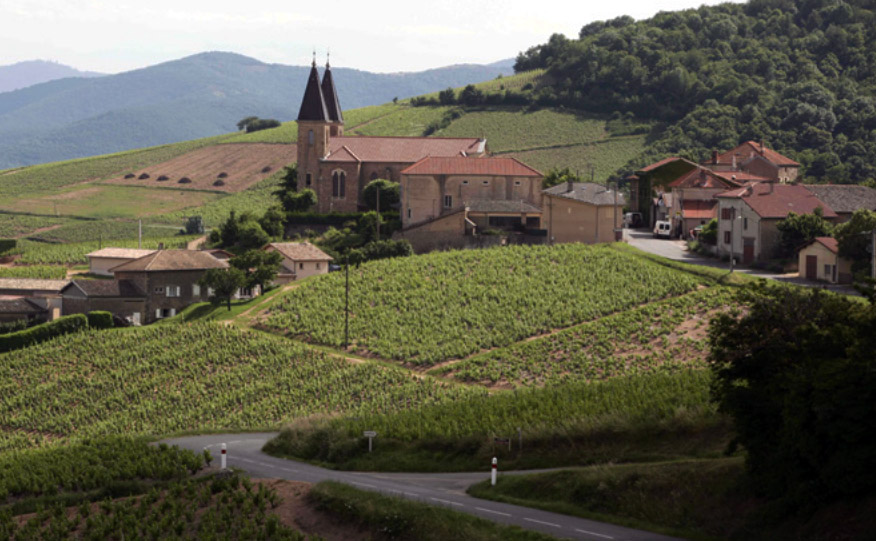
<point>100,320</point>
<point>41,333</point>
<point>7,245</point>
<point>337,219</point>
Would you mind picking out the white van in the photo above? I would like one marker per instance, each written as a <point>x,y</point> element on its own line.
<point>662,229</point>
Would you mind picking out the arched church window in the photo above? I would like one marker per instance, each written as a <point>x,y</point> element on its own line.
<point>343,184</point>
<point>335,184</point>
<point>310,138</point>
<point>339,184</point>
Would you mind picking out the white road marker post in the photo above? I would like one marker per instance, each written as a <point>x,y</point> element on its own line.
<point>224,460</point>
<point>493,474</point>
<point>370,434</point>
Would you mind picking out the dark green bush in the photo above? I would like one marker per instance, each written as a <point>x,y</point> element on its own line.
<point>41,333</point>
<point>100,320</point>
<point>7,245</point>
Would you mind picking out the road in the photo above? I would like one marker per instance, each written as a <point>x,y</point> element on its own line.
<point>446,489</point>
<point>677,250</point>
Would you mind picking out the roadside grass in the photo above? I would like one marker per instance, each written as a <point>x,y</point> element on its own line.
<point>606,156</point>
<point>388,517</point>
<point>694,499</point>
<point>713,274</point>
<point>517,129</point>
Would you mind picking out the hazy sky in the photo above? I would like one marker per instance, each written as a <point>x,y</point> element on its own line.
<point>377,35</point>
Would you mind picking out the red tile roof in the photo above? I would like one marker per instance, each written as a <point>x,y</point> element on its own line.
<point>400,149</point>
<point>750,148</point>
<point>661,163</point>
<point>771,200</point>
<point>471,166</point>
<point>741,177</point>
<point>829,242</point>
<point>698,209</point>
<point>703,178</point>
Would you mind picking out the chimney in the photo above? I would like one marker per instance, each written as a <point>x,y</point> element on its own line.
<point>570,186</point>
<point>714,157</point>
<point>761,147</point>
<point>734,161</point>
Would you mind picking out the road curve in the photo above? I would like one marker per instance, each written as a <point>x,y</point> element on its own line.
<point>447,489</point>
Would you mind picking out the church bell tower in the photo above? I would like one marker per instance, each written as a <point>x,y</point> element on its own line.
<point>315,126</point>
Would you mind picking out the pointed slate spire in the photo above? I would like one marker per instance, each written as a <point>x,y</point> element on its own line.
<point>313,104</point>
<point>331,95</point>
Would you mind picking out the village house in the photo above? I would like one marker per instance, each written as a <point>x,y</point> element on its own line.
<point>582,212</point>
<point>17,308</point>
<point>121,298</point>
<point>101,261</point>
<point>338,167</point>
<point>300,260</point>
<point>31,299</point>
<point>748,216</point>
<point>845,199</point>
<point>820,261</point>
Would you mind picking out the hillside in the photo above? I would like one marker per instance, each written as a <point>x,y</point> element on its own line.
<point>800,76</point>
<point>33,72</point>
<point>197,96</point>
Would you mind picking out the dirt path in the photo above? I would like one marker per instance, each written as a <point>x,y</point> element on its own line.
<point>37,231</point>
<point>194,243</point>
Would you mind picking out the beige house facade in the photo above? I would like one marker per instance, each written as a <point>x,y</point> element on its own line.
<point>300,260</point>
<point>101,261</point>
<point>820,261</point>
<point>582,212</point>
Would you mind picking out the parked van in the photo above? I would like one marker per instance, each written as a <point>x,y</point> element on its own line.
<point>662,229</point>
<point>633,220</point>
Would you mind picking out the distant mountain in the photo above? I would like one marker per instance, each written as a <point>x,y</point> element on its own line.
<point>32,72</point>
<point>197,96</point>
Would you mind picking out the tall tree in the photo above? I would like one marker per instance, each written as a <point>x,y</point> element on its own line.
<point>224,283</point>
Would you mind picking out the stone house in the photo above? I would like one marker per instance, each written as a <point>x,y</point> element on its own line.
<point>300,260</point>
<point>101,261</point>
<point>122,298</point>
<point>16,308</point>
<point>748,216</point>
<point>820,261</point>
<point>582,212</point>
<point>338,167</point>
<point>29,298</point>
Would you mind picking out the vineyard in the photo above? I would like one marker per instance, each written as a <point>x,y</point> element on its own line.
<point>405,122</point>
<point>665,335</point>
<point>130,381</point>
<point>229,508</point>
<point>440,306</point>
<point>46,272</point>
<point>605,156</point>
<point>14,225</point>
<point>42,253</point>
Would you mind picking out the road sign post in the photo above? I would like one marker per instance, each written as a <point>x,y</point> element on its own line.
<point>493,474</point>
<point>224,459</point>
<point>370,434</point>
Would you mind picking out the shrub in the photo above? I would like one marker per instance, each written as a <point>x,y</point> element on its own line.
<point>130,175</point>
<point>218,182</point>
<point>144,176</point>
<point>100,319</point>
<point>184,180</point>
<point>7,245</point>
<point>223,174</point>
<point>41,333</point>
<point>163,177</point>
<point>266,169</point>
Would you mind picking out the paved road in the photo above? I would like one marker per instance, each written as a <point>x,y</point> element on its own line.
<point>677,250</point>
<point>446,489</point>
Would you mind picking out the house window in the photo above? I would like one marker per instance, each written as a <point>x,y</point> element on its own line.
<point>173,291</point>
<point>310,137</point>
<point>196,290</point>
<point>301,266</point>
<point>728,214</point>
<point>517,183</point>
<point>448,201</point>
<point>158,290</point>
<point>409,214</point>
<point>745,224</point>
<point>465,183</point>
<point>486,183</point>
<point>726,237</point>
<point>161,313</point>
<point>317,266</point>
<point>827,271</point>
<point>210,292</point>
<point>339,184</point>
<point>308,179</point>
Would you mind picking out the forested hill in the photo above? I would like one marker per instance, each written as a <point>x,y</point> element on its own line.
<point>799,75</point>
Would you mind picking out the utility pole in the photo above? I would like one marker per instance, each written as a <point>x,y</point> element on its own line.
<point>140,233</point>
<point>347,305</point>
<point>614,227</point>
<point>378,212</point>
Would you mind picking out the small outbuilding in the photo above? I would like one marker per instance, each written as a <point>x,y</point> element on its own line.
<point>820,261</point>
<point>300,260</point>
<point>101,261</point>
<point>582,212</point>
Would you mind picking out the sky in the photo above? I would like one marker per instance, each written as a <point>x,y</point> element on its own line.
<point>111,36</point>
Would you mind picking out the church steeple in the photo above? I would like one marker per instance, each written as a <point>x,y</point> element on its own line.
<point>330,95</point>
<point>313,105</point>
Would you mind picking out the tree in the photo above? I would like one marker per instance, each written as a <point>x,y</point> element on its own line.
<point>258,266</point>
<point>272,221</point>
<point>799,229</point>
<point>447,97</point>
<point>290,179</point>
<point>389,194</point>
<point>242,125</point>
<point>239,233</point>
<point>709,234</point>
<point>471,95</point>
<point>224,283</point>
<point>797,374</point>
<point>559,176</point>
<point>299,201</point>
<point>854,239</point>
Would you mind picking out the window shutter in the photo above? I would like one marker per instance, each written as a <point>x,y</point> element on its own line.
<point>172,312</point>
<point>196,290</point>
<point>158,313</point>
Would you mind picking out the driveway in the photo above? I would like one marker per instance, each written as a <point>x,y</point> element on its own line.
<point>677,251</point>
<point>445,489</point>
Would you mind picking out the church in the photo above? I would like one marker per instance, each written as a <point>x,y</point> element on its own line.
<point>338,167</point>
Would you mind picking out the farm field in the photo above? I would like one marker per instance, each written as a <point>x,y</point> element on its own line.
<point>606,156</point>
<point>128,381</point>
<point>664,335</point>
<point>42,253</point>
<point>225,168</point>
<point>514,129</point>
<point>107,230</point>
<point>431,308</point>
<point>16,225</point>
<point>103,201</point>
<point>46,272</point>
